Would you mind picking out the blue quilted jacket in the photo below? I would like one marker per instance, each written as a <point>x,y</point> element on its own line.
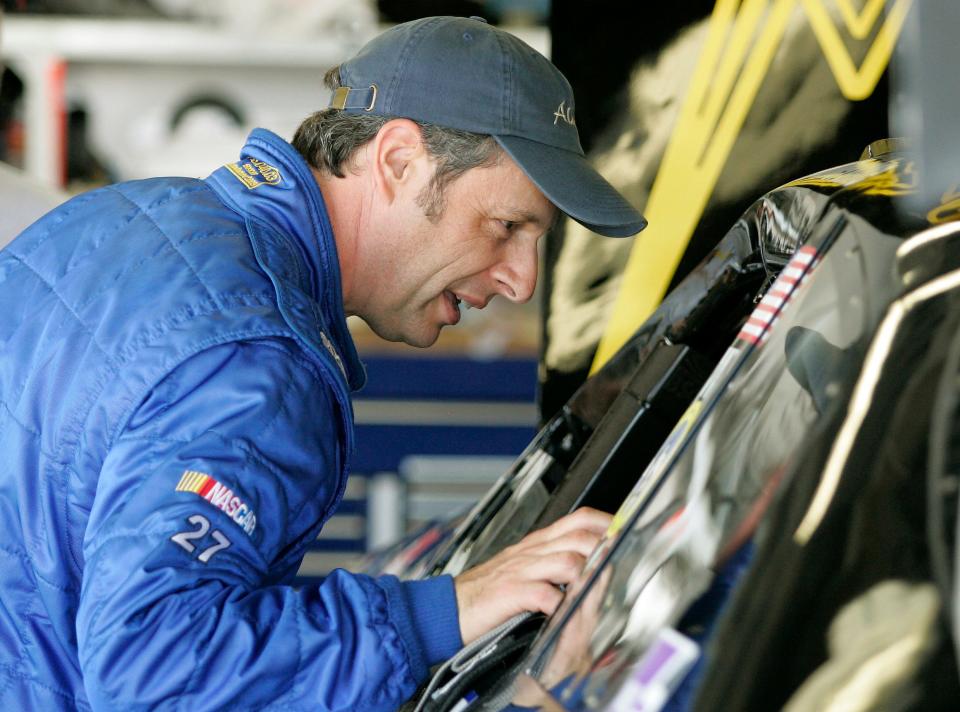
<point>175,427</point>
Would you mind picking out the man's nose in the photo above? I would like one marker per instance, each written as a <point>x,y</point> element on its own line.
<point>516,275</point>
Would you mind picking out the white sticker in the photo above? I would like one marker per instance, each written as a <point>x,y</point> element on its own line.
<point>658,674</point>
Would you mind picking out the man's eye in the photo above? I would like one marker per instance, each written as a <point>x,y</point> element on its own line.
<point>508,225</point>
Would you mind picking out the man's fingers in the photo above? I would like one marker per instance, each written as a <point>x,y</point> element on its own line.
<point>526,576</point>
<point>562,567</point>
<point>541,597</point>
<point>540,592</point>
<point>580,541</point>
<point>584,519</point>
<point>588,518</point>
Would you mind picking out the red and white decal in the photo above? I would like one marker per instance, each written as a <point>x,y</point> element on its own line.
<point>766,313</point>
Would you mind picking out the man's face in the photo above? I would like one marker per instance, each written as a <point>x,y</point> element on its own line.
<point>483,244</point>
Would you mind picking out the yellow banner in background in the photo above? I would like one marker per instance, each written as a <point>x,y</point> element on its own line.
<point>742,39</point>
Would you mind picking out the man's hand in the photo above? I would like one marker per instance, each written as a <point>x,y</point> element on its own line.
<point>526,576</point>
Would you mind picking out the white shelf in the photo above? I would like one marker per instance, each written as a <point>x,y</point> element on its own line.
<point>132,71</point>
<point>168,42</point>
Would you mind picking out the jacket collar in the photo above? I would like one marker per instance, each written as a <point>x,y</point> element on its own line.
<point>273,185</point>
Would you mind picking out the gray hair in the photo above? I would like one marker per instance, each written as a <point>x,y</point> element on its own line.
<point>329,138</point>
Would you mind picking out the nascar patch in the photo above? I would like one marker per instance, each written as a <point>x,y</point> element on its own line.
<point>220,496</point>
<point>777,298</point>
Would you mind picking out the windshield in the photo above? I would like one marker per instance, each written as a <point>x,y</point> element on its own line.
<point>694,510</point>
<point>704,311</point>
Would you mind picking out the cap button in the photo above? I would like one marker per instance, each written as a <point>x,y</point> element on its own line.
<point>478,19</point>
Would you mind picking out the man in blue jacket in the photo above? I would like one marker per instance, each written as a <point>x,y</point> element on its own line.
<point>175,379</point>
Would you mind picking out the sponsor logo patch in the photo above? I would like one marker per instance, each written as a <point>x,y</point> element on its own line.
<point>220,496</point>
<point>253,173</point>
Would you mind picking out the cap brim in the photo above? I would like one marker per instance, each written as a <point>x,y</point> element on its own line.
<point>574,186</point>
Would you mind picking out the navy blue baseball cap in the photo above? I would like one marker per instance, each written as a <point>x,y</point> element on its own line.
<point>464,74</point>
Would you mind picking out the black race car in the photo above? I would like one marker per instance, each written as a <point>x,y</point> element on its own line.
<point>638,630</point>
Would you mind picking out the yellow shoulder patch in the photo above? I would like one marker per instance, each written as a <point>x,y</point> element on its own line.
<point>254,173</point>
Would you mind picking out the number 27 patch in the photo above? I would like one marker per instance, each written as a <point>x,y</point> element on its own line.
<point>202,524</point>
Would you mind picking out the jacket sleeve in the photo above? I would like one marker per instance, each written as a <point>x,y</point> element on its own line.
<point>217,480</point>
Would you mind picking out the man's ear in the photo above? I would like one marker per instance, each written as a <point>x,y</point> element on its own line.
<point>395,157</point>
